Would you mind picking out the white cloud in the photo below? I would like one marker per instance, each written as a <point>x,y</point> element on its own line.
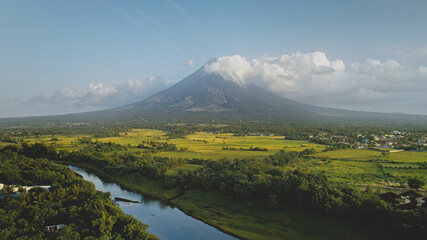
<point>102,94</point>
<point>191,63</point>
<point>234,68</point>
<point>313,78</point>
<point>284,74</point>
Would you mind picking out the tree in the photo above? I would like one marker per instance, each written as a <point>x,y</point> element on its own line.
<point>67,233</point>
<point>415,183</point>
<point>385,154</point>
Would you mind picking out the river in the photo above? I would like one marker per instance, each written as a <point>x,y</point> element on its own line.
<point>165,221</point>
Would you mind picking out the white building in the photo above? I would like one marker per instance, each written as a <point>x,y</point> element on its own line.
<point>28,188</point>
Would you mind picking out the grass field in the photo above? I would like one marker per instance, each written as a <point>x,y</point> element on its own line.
<point>204,145</point>
<point>66,143</point>
<point>254,222</point>
<point>355,166</point>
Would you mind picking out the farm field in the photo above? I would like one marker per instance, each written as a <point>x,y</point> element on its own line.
<point>66,143</point>
<point>204,145</point>
<point>358,166</point>
<point>200,145</point>
<point>354,166</point>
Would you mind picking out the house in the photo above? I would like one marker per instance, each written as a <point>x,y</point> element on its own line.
<point>54,228</point>
<point>390,143</point>
<point>15,188</point>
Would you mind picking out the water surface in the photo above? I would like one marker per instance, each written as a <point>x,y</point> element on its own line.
<point>166,222</point>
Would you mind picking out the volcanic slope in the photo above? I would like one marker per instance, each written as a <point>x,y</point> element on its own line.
<point>206,96</point>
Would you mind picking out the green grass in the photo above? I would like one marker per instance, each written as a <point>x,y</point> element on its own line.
<point>200,145</point>
<point>65,143</point>
<point>420,157</point>
<point>255,222</point>
<point>346,171</point>
<point>356,166</point>
<point>204,145</point>
<point>354,154</point>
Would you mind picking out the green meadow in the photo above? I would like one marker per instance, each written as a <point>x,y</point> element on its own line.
<point>200,145</point>
<point>354,166</point>
<point>369,167</point>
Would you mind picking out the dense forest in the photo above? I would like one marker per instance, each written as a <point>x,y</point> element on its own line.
<point>70,202</point>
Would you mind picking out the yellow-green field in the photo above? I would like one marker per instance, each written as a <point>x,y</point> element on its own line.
<point>366,155</point>
<point>363,167</point>
<point>355,166</point>
<point>200,145</point>
<point>68,143</point>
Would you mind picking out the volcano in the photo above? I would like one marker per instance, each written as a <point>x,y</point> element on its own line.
<point>204,96</point>
<point>210,92</point>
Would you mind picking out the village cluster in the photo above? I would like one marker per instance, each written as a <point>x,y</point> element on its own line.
<point>391,142</point>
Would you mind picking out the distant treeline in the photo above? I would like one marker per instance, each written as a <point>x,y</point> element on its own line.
<point>255,149</point>
<point>292,130</point>
<point>158,146</point>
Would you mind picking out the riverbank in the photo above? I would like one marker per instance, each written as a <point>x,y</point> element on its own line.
<point>245,220</point>
<point>148,196</point>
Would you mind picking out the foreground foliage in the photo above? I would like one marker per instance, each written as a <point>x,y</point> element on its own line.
<point>85,212</point>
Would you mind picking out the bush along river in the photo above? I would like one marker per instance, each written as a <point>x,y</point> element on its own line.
<point>165,221</point>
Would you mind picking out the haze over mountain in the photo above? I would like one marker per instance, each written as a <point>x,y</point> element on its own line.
<point>206,96</point>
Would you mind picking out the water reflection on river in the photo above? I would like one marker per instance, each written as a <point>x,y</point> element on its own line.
<point>165,222</point>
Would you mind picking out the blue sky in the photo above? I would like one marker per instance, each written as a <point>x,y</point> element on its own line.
<point>72,56</point>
